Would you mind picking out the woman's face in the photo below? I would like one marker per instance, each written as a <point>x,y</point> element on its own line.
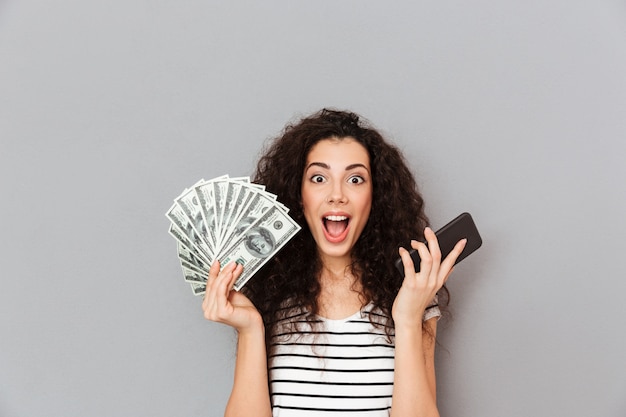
<point>337,194</point>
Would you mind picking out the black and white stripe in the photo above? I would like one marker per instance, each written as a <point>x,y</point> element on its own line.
<point>331,368</point>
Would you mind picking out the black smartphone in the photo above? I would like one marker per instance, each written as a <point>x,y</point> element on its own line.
<point>462,227</point>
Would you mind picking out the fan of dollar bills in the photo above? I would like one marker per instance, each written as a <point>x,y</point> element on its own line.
<point>228,219</point>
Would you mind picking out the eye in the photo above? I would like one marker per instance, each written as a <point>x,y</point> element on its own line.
<point>356,179</point>
<point>318,179</point>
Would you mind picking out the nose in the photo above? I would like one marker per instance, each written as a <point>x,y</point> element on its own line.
<point>336,194</point>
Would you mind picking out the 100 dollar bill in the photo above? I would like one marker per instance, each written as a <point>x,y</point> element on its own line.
<point>259,242</point>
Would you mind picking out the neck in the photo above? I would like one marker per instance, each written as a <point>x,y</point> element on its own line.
<point>341,290</point>
<point>335,268</point>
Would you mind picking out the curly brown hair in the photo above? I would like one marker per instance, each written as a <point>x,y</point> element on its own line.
<point>397,216</point>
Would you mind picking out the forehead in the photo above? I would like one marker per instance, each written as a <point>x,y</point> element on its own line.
<point>338,152</point>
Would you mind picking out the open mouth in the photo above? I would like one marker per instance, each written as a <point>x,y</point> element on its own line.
<point>335,227</point>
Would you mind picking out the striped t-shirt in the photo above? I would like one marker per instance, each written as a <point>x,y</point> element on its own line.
<point>333,367</point>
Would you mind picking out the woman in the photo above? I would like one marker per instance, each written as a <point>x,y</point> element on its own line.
<point>329,325</point>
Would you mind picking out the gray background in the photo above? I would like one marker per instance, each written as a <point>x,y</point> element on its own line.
<point>514,111</point>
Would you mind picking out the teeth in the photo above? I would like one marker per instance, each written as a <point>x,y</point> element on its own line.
<point>336,218</point>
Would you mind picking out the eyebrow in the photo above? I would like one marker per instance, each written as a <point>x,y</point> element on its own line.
<point>326,166</point>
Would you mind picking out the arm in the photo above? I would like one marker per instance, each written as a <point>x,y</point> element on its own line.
<point>429,339</point>
<point>250,393</point>
<point>414,392</point>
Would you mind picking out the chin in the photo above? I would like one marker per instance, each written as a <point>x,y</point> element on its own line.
<point>335,250</point>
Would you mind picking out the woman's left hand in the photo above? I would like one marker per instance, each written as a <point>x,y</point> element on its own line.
<point>419,288</point>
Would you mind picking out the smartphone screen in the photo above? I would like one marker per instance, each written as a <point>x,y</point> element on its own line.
<point>462,227</point>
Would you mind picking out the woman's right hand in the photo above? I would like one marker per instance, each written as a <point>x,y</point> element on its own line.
<point>223,304</point>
